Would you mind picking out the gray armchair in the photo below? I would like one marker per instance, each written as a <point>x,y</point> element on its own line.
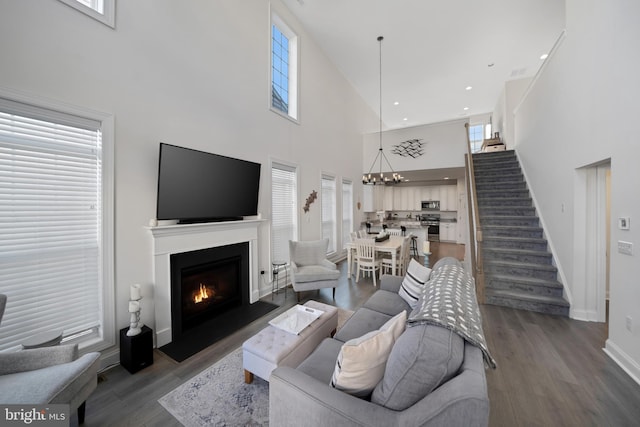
<point>310,268</point>
<point>48,375</point>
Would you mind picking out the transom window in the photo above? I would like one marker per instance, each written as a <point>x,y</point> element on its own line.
<point>101,10</point>
<point>476,136</point>
<point>284,69</point>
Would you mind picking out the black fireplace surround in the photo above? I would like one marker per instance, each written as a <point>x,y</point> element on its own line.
<point>210,298</point>
<point>207,283</point>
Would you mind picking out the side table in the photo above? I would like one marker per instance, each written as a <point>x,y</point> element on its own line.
<point>136,352</point>
<point>275,280</point>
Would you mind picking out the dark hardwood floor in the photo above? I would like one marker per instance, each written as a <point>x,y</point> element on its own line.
<point>551,370</point>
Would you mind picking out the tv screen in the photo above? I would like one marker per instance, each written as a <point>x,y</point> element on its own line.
<point>194,186</point>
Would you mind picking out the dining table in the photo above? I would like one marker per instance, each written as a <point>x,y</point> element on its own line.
<point>389,246</point>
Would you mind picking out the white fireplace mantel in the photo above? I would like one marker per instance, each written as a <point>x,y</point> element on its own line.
<point>173,239</point>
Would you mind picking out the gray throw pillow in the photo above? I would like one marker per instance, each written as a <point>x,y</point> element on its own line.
<point>423,358</point>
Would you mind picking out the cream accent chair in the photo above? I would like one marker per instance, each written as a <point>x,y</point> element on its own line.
<point>366,258</point>
<point>47,375</point>
<point>310,268</point>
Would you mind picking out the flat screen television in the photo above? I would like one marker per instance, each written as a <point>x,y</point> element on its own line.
<point>194,186</point>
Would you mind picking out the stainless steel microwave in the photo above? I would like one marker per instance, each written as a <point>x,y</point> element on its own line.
<point>432,205</point>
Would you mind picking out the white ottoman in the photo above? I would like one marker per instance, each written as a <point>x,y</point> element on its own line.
<point>273,347</point>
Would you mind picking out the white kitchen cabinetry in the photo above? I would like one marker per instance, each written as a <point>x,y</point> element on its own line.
<point>448,198</point>
<point>430,193</point>
<point>388,202</point>
<point>397,199</point>
<point>367,198</point>
<point>448,232</point>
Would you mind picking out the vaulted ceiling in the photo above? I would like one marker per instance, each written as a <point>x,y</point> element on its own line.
<point>432,51</point>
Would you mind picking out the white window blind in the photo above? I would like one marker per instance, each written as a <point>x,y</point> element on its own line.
<point>329,211</point>
<point>284,202</point>
<point>50,223</point>
<point>347,211</point>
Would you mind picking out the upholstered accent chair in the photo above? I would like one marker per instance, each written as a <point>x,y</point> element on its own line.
<point>47,375</point>
<point>310,268</point>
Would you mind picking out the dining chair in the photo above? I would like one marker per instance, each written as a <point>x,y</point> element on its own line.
<point>366,258</point>
<point>402,259</point>
<point>394,231</point>
<point>355,235</point>
<point>362,234</point>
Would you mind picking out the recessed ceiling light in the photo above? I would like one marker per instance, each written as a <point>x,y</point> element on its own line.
<point>544,56</point>
<point>465,108</point>
<point>468,88</point>
<point>405,119</point>
<point>396,103</point>
<point>446,177</point>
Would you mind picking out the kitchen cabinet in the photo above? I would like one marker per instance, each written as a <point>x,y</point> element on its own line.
<point>367,199</point>
<point>388,202</point>
<point>430,193</point>
<point>448,198</point>
<point>399,198</point>
<point>448,232</point>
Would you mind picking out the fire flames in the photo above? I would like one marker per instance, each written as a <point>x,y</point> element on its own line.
<point>201,295</point>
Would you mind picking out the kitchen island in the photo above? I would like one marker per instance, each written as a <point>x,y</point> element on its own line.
<point>413,227</point>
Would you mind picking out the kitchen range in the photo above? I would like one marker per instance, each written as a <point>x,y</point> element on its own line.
<point>433,221</point>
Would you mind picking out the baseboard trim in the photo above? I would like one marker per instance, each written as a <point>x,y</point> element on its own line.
<point>623,360</point>
<point>583,315</point>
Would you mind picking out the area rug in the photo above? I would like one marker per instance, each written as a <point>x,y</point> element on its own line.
<point>218,396</point>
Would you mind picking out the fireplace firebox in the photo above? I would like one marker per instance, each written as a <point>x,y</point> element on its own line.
<point>206,284</point>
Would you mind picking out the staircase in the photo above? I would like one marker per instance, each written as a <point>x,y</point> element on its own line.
<point>518,266</point>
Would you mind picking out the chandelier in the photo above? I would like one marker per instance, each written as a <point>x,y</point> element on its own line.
<point>381,178</point>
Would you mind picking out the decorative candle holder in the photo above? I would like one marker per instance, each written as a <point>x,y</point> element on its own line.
<point>426,251</point>
<point>135,325</point>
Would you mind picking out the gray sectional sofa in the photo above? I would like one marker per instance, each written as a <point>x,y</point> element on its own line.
<point>433,377</point>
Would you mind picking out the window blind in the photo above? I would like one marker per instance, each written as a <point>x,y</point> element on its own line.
<point>50,216</point>
<point>347,211</point>
<point>284,224</point>
<point>329,211</point>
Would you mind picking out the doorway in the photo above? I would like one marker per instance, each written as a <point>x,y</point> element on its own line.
<point>593,240</point>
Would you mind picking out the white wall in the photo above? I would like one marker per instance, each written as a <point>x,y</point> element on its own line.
<point>446,145</point>
<point>583,110</point>
<point>192,73</point>
<point>503,117</point>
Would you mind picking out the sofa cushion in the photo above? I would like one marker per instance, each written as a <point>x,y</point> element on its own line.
<point>422,358</point>
<point>361,362</point>
<point>387,302</point>
<point>314,273</point>
<point>413,282</point>
<point>363,320</point>
<point>321,363</point>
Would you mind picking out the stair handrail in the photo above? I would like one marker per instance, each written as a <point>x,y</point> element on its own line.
<point>475,229</point>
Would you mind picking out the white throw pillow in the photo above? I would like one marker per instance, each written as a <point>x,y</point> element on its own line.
<point>413,282</point>
<point>361,361</point>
